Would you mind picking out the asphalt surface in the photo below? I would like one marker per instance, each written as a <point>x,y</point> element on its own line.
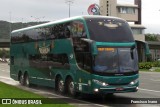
<point>149,88</point>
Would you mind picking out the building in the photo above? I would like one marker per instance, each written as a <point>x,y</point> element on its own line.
<point>132,14</point>
<point>155,50</point>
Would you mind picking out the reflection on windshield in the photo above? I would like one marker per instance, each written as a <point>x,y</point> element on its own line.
<point>118,60</point>
<point>109,30</point>
<point>106,60</point>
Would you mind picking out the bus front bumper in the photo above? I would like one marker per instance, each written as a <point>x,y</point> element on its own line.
<point>121,89</point>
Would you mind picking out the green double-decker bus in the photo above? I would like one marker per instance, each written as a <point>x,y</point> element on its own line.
<point>86,54</point>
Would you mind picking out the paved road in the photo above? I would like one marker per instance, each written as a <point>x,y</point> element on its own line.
<point>149,88</point>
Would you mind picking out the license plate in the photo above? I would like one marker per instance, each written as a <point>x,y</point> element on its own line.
<point>119,89</point>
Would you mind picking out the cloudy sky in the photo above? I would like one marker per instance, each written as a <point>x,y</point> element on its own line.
<point>49,10</point>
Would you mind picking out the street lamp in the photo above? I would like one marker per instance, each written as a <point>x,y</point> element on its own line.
<point>69,2</point>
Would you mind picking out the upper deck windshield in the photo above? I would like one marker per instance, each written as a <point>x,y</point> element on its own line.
<point>109,30</point>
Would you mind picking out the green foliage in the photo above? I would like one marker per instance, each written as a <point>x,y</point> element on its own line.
<point>156,64</point>
<point>145,65</point>
<point>157,70</point>
<point>4,53</point>
<point>7,91</point>
<point>151,37</point>
<point>149,65</point>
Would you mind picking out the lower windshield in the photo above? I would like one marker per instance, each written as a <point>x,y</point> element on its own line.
<point>116,60</point>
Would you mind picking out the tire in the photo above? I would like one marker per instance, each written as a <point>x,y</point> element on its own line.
<point>70,88</point>
<point>60,86</point>
<point>21,79</point>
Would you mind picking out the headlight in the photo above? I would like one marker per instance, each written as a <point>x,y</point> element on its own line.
<point>100,82</point>
<point>134,82</point>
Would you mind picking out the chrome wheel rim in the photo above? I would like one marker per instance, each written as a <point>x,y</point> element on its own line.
<point>71,87</point>
<point>61,86</point>
<point>21,79</point>
<point>27,81</point>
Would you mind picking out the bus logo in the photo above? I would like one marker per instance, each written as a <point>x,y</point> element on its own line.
<point>44,49</point>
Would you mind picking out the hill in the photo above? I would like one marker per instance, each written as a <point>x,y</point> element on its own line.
<point>5,27</point>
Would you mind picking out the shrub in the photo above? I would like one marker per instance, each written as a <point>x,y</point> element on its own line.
<point>145,65</point>
<point>156,64</point>
<point>4,53</point>
<point>149,65</point>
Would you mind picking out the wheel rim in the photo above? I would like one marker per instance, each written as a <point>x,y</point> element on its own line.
<point>71,88</point>
<point>27,81</point>
<point>60,86</point>
<point>21,80</point>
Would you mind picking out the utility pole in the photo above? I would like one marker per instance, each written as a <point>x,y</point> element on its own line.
<point>69,2</point>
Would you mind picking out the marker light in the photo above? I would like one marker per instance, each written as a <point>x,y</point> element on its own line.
<point>96,90</point>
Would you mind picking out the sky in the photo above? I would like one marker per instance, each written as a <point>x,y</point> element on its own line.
<point>50,10</point>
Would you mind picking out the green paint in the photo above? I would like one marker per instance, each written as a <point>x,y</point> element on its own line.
<point>22,52</point>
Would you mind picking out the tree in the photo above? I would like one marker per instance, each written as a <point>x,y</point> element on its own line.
<point>151,37</point>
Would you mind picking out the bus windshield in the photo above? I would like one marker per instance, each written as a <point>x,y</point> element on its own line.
<point>115,60</point>
<point>109,30</point>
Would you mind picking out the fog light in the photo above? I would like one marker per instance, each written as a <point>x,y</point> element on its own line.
<point>137,88</point>
<point>96,90</point>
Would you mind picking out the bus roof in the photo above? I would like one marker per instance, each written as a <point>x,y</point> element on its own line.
<point>63,20</point>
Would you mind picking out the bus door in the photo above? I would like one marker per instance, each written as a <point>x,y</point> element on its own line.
<point>84,62</point>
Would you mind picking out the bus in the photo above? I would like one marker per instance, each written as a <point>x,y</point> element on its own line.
<point>83,54</point>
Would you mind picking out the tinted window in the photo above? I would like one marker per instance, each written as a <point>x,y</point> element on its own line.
<point>109,30</point>
<point>78,32</point>
<point>59,61</point>
<point>81,47</point>
<point>58,31</point>
<point>28,35</point>
<point>84,60</point>
<point>77,29</point>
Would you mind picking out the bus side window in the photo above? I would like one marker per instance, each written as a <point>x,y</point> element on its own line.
<point>67,32</point>
<point>78,32</point>
<point>60,61</point>
<point>78,29</point>
<point>60,31</point>
<point>81,48</point>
